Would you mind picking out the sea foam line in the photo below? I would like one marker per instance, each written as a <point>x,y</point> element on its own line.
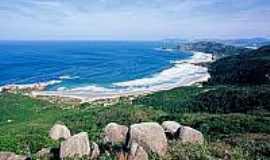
<point>38,85</point>
<point>182,73</point>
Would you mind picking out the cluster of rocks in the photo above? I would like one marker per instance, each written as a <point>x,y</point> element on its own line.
<point>135,142</point>
<point>23,88</point>
<point>140,139</point>
<point>11,156</point>
<point>77,145</point>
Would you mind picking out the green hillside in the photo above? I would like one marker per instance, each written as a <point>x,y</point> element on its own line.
<point>232,112</point>
<point>249,68</point>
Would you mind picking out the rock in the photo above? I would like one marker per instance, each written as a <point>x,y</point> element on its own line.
<point>76,146</point>
<point>171,128</point>
<point>121,155</point>
<point>190,135</point>
<point>11,156</point>
<point>137,152</point>
<point>59,131</point>
<point>115,133</point>
<point>150,136</point>
<point>95,152</point>
<point>44,154</point>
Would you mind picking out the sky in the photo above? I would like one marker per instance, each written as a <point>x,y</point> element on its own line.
<point>133,19</point>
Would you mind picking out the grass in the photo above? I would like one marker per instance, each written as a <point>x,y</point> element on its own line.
<point>25,122</point>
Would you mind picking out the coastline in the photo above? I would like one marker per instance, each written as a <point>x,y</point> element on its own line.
<point>182,73</point>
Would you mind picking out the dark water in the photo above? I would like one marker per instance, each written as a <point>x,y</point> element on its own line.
<point>81,63</point>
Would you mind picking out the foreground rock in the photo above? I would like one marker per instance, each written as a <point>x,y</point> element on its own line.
<point>76,146</point>
<point>44,154</point>
<point>150,136</point>
<point>190,135</point>
<point>137,152</point>
<point>171,128</point>
<point>59,131</point>
<point>95,152</point>
<point>115,133</point>
<point>11,156</point>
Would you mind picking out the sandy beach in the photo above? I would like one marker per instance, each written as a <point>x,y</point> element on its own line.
<point>182,73</point>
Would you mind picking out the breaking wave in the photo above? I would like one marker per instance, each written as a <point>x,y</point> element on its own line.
<point>182,73</point>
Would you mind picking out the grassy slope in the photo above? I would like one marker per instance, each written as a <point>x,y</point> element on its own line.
<point>232,116</point>
<point>251,68</point>
<point>32,119</point>
<point>245,136</point>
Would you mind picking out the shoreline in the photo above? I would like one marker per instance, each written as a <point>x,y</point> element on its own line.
<point>182,73</point>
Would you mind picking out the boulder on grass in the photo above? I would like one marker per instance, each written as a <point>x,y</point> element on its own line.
<point>190,135</point>
<point>137,152</point>
<point>115,133</point>
<point>44,154</point>
<point>59,131</point>
<point>11,156</point>
<point>76,146</point>
<point>150,136</point>
<point>171,128</point>
<point>95,152</point>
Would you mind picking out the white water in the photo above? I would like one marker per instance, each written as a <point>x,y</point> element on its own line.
<point>183,73</point>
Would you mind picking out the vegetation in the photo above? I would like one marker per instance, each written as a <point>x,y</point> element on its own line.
<point>218,49</point>
<point>211,99</point>
<point>233,113</point>
<point>25,123</point>
<point>252,68</point>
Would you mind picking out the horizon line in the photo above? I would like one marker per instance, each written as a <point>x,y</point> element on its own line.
<point>149,40</point>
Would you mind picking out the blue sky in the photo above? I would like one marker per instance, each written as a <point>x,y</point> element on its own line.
<point>133,19</point>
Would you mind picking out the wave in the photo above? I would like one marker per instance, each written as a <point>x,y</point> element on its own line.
<point>182,73</point>
<point>66,77</point>
<point>165,49</point>
<point>174,75</point>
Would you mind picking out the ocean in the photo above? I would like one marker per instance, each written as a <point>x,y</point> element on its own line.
<point>78,64</point>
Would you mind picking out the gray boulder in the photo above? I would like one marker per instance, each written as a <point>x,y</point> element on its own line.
<point>171,127</point>
<point>95,152</point>
<point>11,156</point>
<point>76,146</point>
<point>44,154</point>
<point>115,133</point>
<point>150,136</point>
<point>59,131</point>
<point>137,152</point>
<point>190,135</point>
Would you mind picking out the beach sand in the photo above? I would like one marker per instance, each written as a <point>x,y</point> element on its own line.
<point>182,73</point>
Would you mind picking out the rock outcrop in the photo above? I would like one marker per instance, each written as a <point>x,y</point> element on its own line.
<point>136,142</point>
<point>171,128</point>
<point>95,152</point>
<point>11,156</point>
<point>75,146</point>
<point>44,154</point>
<point>150,136</point>
<point>137,152</point>
<point>59,131</point>
<point>190,135</point>
<point>115,133</point>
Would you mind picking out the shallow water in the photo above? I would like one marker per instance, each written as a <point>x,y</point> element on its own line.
<point>86,64</point>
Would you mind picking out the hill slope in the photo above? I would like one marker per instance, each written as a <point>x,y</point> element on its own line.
<point>219,50</point>
<point>249,68</point>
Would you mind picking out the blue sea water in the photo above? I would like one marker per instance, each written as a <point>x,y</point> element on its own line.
<point>81,63</point>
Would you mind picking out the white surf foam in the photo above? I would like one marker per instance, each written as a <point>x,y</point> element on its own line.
<point>64,77</point>
<point>174,75</point>
<point>165,49</point>
<point>182,73</point>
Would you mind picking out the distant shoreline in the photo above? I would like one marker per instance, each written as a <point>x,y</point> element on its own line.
<point>184,73</point>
